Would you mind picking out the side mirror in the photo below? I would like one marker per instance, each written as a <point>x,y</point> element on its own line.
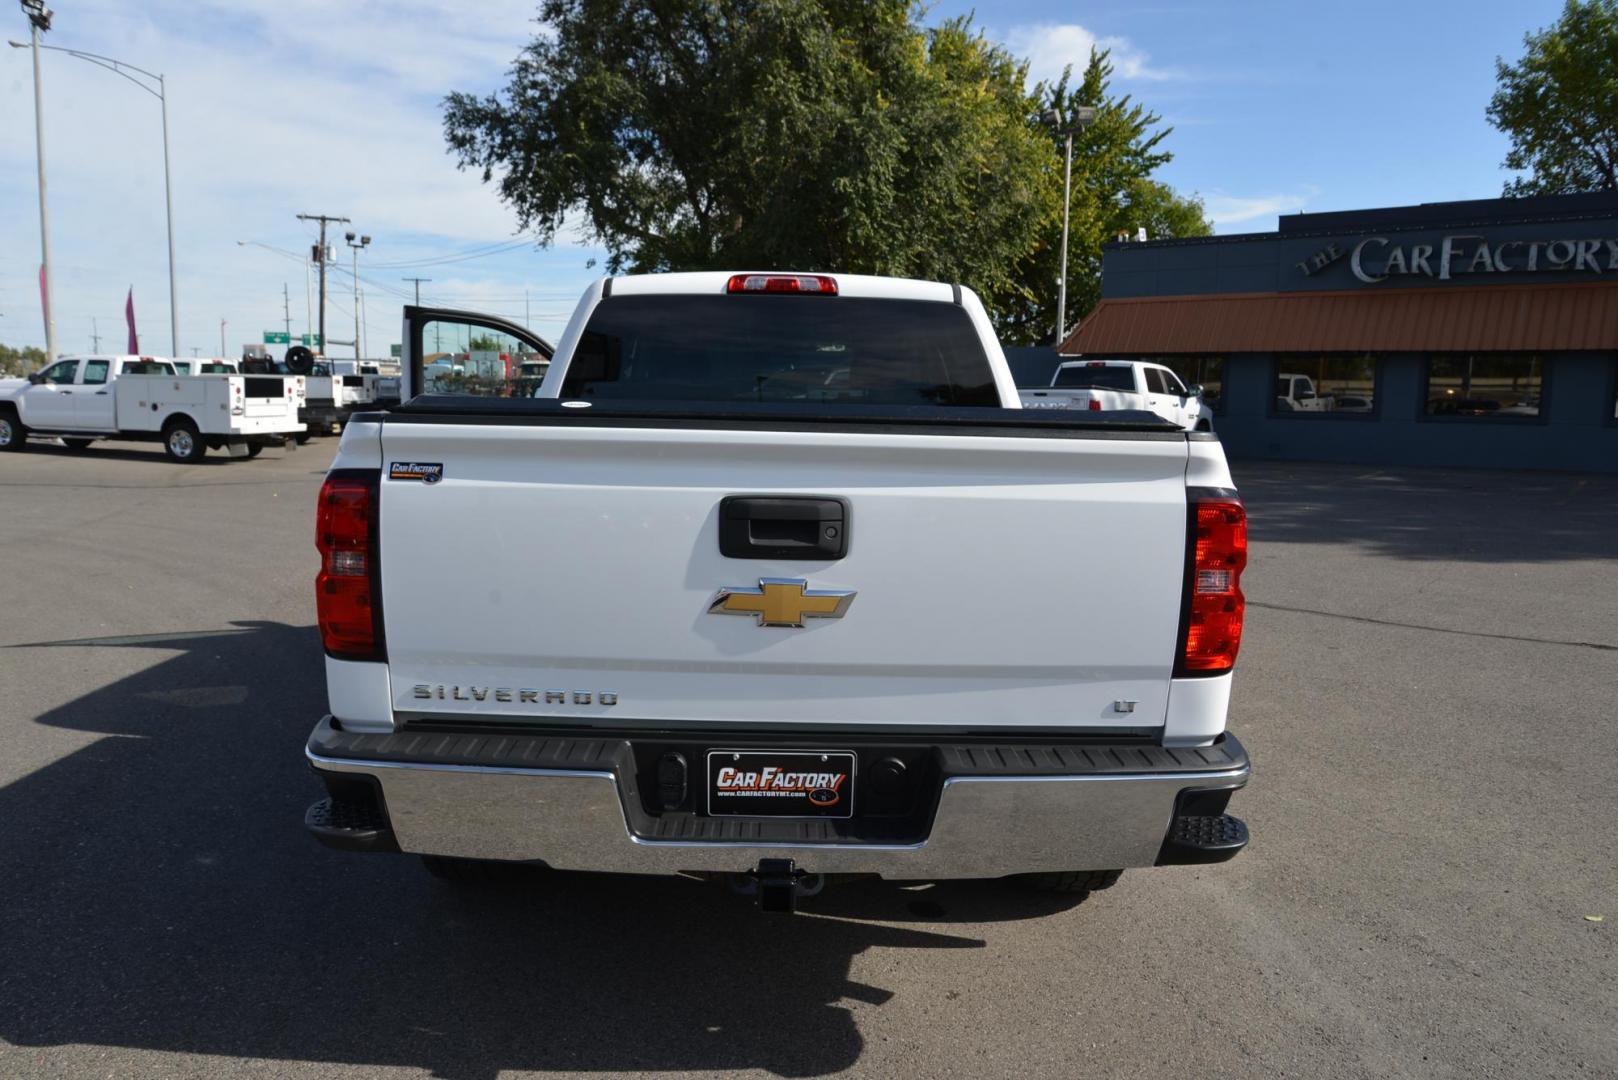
<point>1194,390</point>
<point>36,377</point>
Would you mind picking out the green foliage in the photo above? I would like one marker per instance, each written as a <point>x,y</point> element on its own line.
<point>1113,194</point>
<point>837,135</point>
<point>1559,104</point>
<point>484,343</point>
<point>15,362</point>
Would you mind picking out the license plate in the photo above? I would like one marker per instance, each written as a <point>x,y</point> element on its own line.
<point>781,783</point>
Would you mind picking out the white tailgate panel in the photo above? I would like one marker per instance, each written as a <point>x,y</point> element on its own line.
<point>1000,581</point>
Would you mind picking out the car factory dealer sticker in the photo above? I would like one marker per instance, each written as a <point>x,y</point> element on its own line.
<point>427,472</point>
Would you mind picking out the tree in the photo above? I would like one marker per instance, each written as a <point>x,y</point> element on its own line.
<point>1559,104</point>
<point>833,135</point>
<point>14,361</point>
<point>1113,194</point>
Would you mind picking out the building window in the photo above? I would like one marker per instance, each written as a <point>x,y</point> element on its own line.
<point>1485,386</point>
<point>1209,371</point>
<point>1342,386</point>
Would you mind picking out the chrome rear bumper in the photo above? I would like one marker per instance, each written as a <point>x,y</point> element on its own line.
<point>589,818</point>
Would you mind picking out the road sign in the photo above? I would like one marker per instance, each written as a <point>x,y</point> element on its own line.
<point>310,341</point>
<point>277,337</point>
<point>393,351</point>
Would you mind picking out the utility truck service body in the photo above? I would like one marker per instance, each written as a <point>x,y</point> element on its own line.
<point>758,585</point>
<point>84,398</point>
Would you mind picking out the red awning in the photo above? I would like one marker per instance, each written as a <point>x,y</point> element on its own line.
<point>1499,318</point>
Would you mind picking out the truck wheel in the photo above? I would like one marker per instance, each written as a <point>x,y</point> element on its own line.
<point>183,443</point>
<point>1202,425</point>
<point>305,435</point>
<point>13,436</point>
<point>77,444</point>
<point>253,451</point>
<point>1068,881</point>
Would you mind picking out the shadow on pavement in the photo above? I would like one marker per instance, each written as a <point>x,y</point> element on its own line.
<point>1433,513</point>
<point>160,893</point>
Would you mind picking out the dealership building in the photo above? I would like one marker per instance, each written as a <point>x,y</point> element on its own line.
<point>1477,333</point>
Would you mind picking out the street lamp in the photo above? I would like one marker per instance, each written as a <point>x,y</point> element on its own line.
<point>40,17</point>
<point>364,242</point>
<point>39,20</point>
<point>1083,116</point>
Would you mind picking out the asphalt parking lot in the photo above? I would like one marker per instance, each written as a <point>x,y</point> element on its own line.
<point>1426,688</point>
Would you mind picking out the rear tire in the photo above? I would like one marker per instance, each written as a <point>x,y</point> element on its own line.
<point>1068,882</point>
<point>1203,425</point>
<point>182,442</point>
<point>253,451</point>
<point>303,436</point>
<point>13,435</point>
<point>77,444</point>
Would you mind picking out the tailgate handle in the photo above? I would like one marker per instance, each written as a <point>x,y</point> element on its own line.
<point>783,527</point>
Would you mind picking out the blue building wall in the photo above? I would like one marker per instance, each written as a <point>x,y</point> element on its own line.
<point>1575,432</point>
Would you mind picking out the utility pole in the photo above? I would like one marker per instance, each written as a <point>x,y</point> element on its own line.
<point>320,257</point>
<point>222,352</point>
<point>418,281</point>
<point>286,310</point>
<point>95,336</point>
<point>527,317</point>
<point>39,19</point>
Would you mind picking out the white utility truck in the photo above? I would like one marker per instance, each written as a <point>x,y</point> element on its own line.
<point>795,616</point>
<point>337,388</point>
<point>83,398</point>
<point>1102,385</point>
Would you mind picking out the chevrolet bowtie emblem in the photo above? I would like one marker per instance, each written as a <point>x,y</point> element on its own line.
<point>782,602</point>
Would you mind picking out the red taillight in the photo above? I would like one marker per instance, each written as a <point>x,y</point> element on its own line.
<point>807,284</point>
<point>1095,404</point>
<point>348,590</point>
<point>1214,604</point>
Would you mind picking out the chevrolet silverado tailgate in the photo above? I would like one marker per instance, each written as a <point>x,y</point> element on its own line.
<point>570,569</point>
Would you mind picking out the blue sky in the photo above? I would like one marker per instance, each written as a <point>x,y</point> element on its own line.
<point>281,106</point>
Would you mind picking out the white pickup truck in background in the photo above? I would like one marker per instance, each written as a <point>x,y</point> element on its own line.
<point>795,617</point>
<point>83,398</point>
<point>1103,385</point>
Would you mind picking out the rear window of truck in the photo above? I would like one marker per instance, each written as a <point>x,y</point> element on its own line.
<point>1096,378</point>
<point>781,348</point>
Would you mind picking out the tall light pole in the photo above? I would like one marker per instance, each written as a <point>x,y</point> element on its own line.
<point>39,20</point>
<point>117,67</point>
<point>356,248</point>
<point>1083,116</point>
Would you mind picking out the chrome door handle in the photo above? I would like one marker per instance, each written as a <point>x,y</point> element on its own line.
<point>69,393</point>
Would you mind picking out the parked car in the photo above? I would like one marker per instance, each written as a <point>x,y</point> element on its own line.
<point>1298,391</point>
<point>1351,403</point>
<point>798,638</point>
<point>83,398</point>
<point>1100,385</point>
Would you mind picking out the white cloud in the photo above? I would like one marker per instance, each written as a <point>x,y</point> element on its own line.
<point>1225,210</point>
<point>1049,47</point>
<point>275,107</point>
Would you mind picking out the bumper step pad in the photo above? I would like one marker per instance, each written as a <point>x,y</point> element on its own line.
<point>350,826</point>
<point>1203,839</point>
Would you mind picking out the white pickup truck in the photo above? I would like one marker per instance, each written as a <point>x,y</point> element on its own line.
<point>83,398</point>
<point>758,587</point>
<point>1102,385</point>
<point>337,388</point>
